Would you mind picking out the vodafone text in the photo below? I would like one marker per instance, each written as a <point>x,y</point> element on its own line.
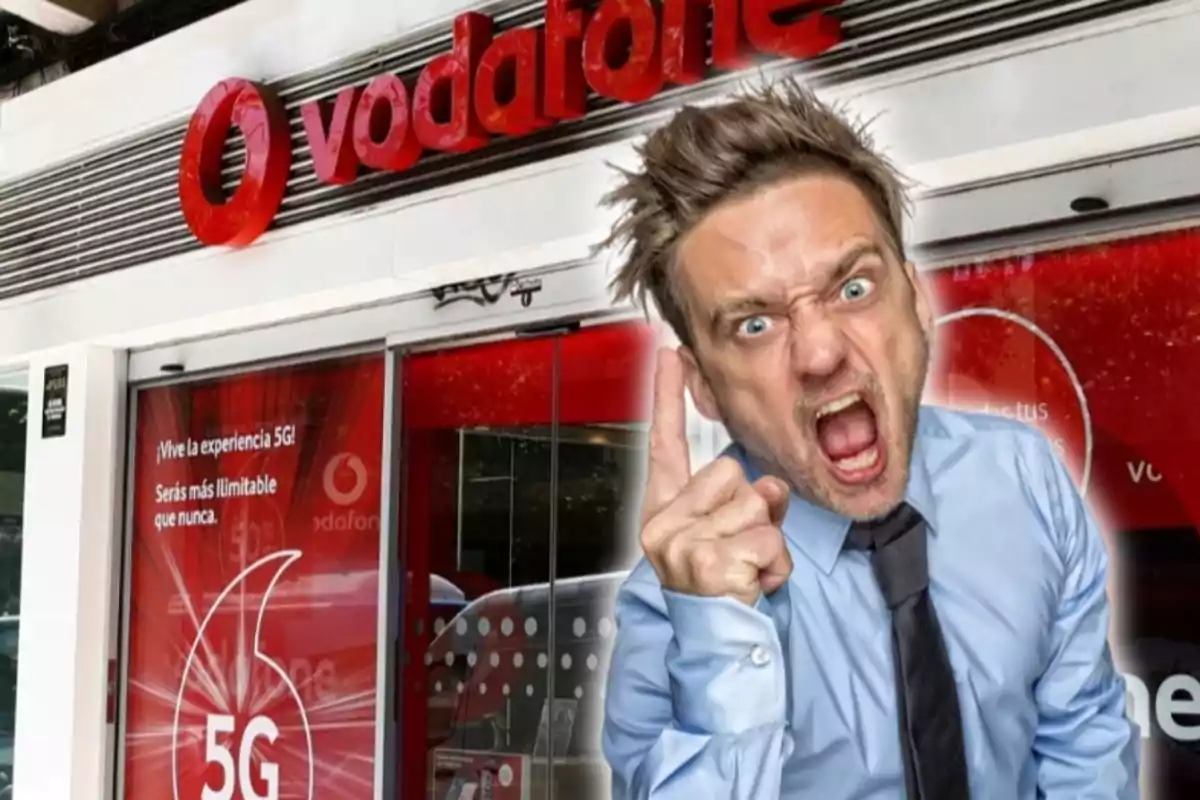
<point>510,84</point>
<point>334,522</point>
<point>1143,470</point>
<point>315,678</point>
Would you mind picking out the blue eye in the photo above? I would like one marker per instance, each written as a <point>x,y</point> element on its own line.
<point>857,289</point>
<point>754,326</point>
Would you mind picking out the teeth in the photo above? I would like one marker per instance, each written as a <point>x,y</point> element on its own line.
<point>842,403</point>
<point>863,460</point>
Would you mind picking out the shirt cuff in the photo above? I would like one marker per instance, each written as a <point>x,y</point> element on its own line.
<point>726,665</point>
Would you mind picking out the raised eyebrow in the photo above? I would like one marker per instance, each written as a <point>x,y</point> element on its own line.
<point>849,260</point>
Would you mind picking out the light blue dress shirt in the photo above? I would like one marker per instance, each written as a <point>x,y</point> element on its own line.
<point>795,698</point>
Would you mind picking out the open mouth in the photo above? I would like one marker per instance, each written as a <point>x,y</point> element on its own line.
<point>848,435</point>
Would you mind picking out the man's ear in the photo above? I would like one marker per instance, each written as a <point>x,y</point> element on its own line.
<point>921,297</point>
<point>702,394</point>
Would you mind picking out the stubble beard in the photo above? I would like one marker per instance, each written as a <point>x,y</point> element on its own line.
<point>803,475</point>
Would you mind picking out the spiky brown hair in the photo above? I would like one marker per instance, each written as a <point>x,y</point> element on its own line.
<point>705,156</point>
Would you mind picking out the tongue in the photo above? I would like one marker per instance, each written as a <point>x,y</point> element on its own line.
<point>847,433</point>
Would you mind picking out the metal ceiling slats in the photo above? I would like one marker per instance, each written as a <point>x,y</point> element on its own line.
<point>116,207</point>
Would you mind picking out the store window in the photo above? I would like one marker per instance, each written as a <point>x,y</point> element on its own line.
<point>1099,346</point>
<point>517,458</point>
<point>253,586</point>
<point>519,464</point>
<point>13,415</point>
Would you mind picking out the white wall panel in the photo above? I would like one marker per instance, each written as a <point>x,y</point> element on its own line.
<point>1074,80</point>
<point>67,581</point>
<point>172,297</point>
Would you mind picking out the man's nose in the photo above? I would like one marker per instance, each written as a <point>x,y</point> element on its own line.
<point>818,346</point>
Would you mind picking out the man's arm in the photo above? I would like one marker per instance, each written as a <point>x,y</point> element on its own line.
<point>1086,747</point>
<point>696,700</point>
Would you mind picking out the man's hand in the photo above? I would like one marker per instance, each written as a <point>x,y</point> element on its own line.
<point>714,533</point>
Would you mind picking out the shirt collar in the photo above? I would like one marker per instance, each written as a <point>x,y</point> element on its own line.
<point>820,533</point>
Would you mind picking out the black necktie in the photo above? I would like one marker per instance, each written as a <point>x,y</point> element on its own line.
<point>931,737</point>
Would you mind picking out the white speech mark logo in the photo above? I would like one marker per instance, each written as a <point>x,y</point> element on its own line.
<point>237,778</point>
<point>1029,325</point>
<point>355,464</point>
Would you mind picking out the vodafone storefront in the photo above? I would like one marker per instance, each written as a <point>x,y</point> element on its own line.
<point>344,481</point>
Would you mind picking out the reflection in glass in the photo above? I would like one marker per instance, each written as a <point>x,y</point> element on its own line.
<point>602,441</point>
<point>477,464</point>
<point>517,458</point>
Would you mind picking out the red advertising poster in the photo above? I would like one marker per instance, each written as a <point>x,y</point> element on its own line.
<point>1098,346</point>
<point>254,586</point>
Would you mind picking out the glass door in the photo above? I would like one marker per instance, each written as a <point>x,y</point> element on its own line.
<point>603,421</point>
<point>516,459</point>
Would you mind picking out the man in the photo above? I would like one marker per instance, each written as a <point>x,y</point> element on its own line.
<point>864,597</point>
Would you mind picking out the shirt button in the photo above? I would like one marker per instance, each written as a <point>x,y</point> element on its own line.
<point>759,656</point>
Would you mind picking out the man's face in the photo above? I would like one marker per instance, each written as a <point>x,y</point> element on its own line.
<point>811,339</point>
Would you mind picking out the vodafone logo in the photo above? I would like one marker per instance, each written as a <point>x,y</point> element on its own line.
<point>248,737</point>
<point>334,483</point>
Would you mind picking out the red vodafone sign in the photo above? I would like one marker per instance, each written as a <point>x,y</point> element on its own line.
<point>242,218</point>
<point>510,84</point>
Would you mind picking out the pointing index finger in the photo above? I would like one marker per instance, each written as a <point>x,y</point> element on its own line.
<point>670,461</point>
